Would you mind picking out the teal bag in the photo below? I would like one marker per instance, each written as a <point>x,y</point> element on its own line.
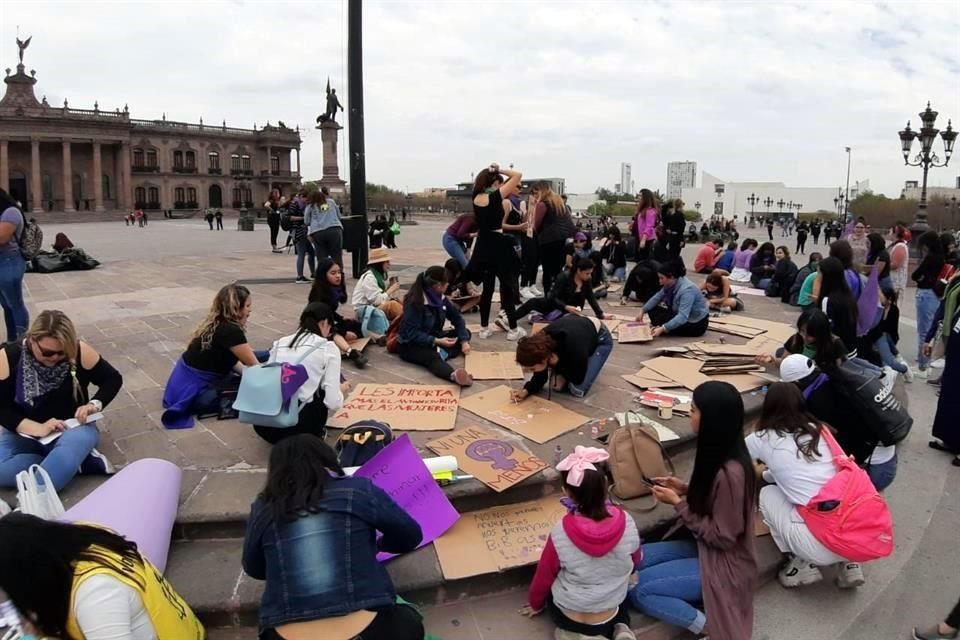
<point>373,320</point>
<point>260,397</point>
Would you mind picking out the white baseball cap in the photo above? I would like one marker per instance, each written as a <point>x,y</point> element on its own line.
<point>796,367</point>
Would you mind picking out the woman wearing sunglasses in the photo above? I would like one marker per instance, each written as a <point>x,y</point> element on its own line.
<point>44,381</point>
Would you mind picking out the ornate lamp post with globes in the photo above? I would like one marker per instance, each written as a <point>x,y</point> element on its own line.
<point>926,158</point>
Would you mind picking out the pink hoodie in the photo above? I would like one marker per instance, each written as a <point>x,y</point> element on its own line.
<point>647,224</point>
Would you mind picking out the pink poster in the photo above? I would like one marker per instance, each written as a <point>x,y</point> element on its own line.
<point>400,472</point>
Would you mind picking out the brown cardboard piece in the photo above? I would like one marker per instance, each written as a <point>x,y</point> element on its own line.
<point>488,456</point>
<point>359,344</point>
<point>744,382</point>
<point>634,332</point>
<point>612,324</point>
<point>406,407</point>
<point>637,379</point>
<point>536,418</point>
<point>682,370</point>
<point>493,365</point>
<point>538,327</point>
<point>497,539</point>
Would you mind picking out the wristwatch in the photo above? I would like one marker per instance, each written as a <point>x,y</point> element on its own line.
<point>96,405</point>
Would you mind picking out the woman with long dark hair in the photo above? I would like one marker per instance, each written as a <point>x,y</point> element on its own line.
<point>836,301</point>
<point>719,567</point>
<point>323,390</point>
<point>12,268</point>
<point>572,291</point>
<point>790,443</point>
<point>678,308</point>
<point>422,340</point>
<point>763,263</point>
<point>75,581</point>
<point>784,273</point>
<point>926,276</point>
<point>494,258</point>
<point>328,289</point>
<point>741,261</point>
<point>877,254</point>
<point>343,592</point>
<point>899,251</point>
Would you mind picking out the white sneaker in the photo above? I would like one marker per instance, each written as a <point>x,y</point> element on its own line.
<point>536,291</point>
<point>484,333</point>
<point>939,363</point>
<point>922,374</point>
<point>501,321</point>
<point>850,575</point>
<point>908,374</point>
<point>515,334</point>
<point>889,378</point>
<point>798,572</point>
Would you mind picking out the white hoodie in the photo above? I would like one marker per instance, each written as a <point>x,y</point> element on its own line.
<point>323,366</point>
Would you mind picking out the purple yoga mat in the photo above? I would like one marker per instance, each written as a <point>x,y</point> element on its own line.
<point>139,503</point>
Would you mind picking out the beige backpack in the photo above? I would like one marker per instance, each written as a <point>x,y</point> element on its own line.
<point>636,452</point>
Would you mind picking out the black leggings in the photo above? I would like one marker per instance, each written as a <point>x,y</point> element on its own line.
<point>273,221</point>
<point>661,315</point>
<point>541,305</point>
<point>429,358</point>
<point>801,243</point>
<point>530,261</point>
<point>508,297</point>
<point>313,420</point>
<point>552,258</point>
<point>954,618</point>
<point>605,629</point>
<point>399,622</point>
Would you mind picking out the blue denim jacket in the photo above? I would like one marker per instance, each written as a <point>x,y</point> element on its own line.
<point>420,325</point>
<point>689,305</point>
<point>323,564</point>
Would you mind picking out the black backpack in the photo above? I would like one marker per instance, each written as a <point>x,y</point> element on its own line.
<point>876,406</point>
<point>361,441</point>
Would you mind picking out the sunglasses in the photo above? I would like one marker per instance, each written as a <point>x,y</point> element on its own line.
<point>50,353</point>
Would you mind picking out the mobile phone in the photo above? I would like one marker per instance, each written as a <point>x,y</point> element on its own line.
<point>647,481</point>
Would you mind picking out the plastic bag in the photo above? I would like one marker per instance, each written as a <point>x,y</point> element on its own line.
<point>38,498</point>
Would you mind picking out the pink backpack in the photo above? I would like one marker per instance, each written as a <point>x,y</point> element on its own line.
<point>848,516</point>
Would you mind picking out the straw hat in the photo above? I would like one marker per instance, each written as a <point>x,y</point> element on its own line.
<point>378,255</point>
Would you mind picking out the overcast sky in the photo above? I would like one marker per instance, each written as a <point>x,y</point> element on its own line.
<point>767,91</point>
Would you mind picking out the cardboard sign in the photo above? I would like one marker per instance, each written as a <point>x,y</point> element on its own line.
<point>399,471</point>
<point>411,407</point>
<point>634,332</point>
<point>488,457</point>
<point>536,418</point>
<point>640,380</point>
<point>682,370</point>
<point>499,538</point>
<point>493,365</point>
<point>360,344</point>
<point>611,322</point>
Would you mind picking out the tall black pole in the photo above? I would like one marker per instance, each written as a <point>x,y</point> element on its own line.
<point>358,162</point>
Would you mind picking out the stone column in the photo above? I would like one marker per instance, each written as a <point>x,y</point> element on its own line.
<point>97,179</point>
<point>67,178</point>
<point>125,172</point>
<point>298,161</point>
<point>269,160</point>
<point>35,187</point>
<point>4,166</point>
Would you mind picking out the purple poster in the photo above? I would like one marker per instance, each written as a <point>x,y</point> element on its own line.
<point>400,472</point>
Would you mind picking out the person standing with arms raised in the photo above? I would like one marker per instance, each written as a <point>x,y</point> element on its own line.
<point>494,257</point>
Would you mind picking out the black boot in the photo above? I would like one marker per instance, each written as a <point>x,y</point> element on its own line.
<point>359,360</point>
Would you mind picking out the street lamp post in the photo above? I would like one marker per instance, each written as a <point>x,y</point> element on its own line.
<point>769,203</point>
<point>780,204</point>
<point>926,158</point>
<point>697,205</point>
<point>953,213</point>
<point>841,211</point>
<point>753,199</point>
<point>846,195</point>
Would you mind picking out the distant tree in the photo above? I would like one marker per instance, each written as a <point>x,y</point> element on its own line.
<point>599,209</point>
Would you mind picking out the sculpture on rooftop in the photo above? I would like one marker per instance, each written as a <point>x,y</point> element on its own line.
<point>23,44</point>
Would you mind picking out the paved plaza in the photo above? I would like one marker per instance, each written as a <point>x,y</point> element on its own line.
<point>156,284</point>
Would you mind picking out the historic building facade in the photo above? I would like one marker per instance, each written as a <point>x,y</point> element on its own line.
<point>67,159</point>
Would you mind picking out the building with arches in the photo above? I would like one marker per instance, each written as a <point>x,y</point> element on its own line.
<point>74,160</point>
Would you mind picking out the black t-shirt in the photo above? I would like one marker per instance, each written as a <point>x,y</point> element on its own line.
<point>217,358</point>
<point>884,257</point>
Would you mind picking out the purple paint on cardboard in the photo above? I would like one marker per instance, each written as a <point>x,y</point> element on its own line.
<point>496,451</point>
<point>399,471</point>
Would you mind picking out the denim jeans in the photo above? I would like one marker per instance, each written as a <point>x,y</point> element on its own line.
<point>882,475</point>
<point>305,252</point>
<point>927,304</point>
<point>668,584</point>
<point>61,458</point>
<point>595,364</point>
<point>618,273</point>
<point>15,313</point>
<point>868,366</point>
<point>888,353</point>
<point>454,249</point>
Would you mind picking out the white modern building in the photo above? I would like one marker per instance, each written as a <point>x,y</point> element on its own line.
<point>680,176</point>
<point>626,182</point>
<point>729,199</point>
<point>911,191</point>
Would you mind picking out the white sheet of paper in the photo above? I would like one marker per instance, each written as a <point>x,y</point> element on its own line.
<point>71,423</point>
<point>665,434</point>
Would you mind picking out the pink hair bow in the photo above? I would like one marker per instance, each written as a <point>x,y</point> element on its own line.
<point>580,460</point>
